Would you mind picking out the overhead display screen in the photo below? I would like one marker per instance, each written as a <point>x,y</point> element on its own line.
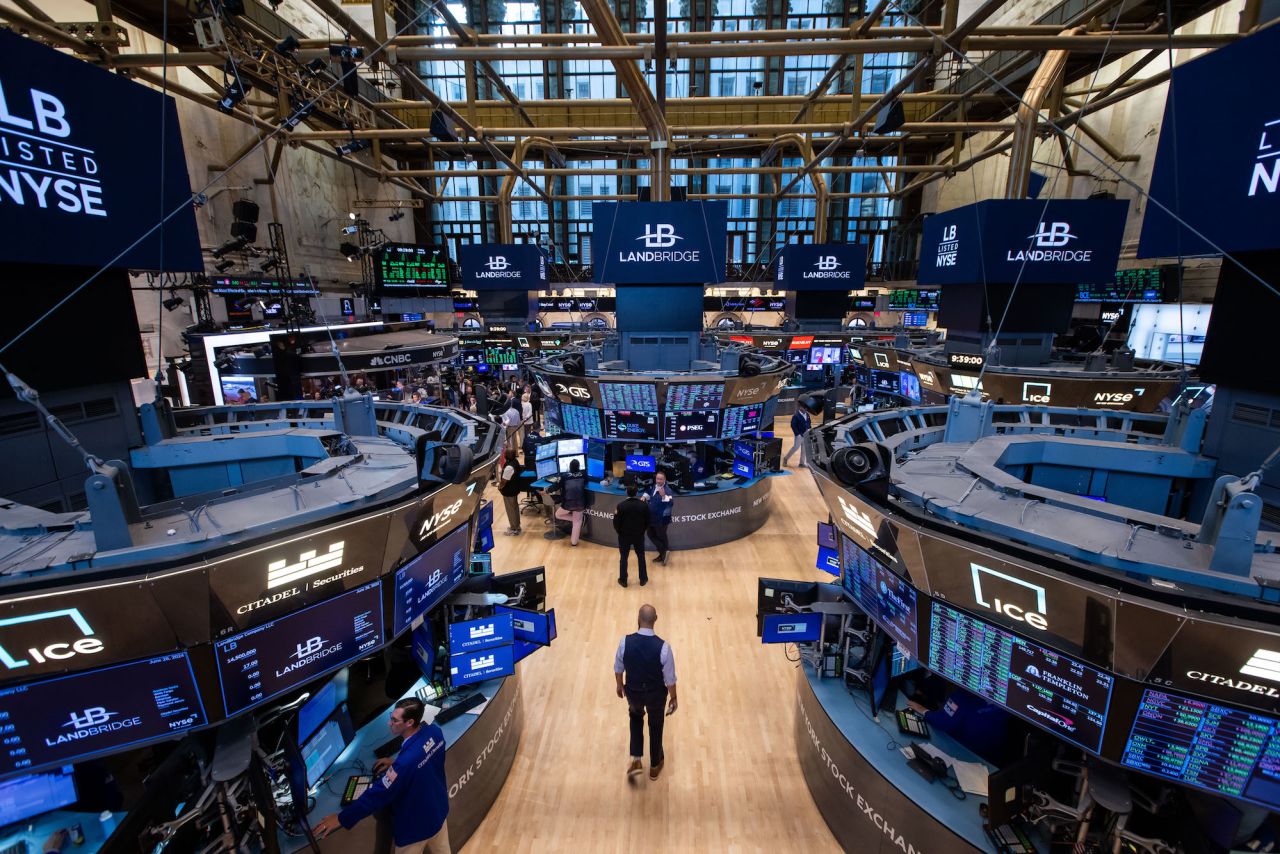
<point>581,420</point>
<point>910,298</point>
<point>423,582</point>
<point>259,664</point>
<point>258,286</point>
<point>885,597</point>
<point>688,426</point>
<point>1144,284</point>
<point>630,425</point>
<point>407,265</point>
<point>741,419</point>
<point>629,396</point>
<point>1198,743</point>
<point>693,397</point>
<point>69,718</point>
<point>1064,696</point>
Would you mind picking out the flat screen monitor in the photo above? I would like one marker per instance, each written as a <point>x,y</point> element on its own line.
<point>595,468</point>
<point>565,463</point>
<point>484,516</point>
<point>546,451</point>
<point>525,588</point>
<point>322,704</point>
<point>744,468</point>
<point>33,794</point>
<point>829,561</point>
<point>691,426</point>
<point>910,298</point>
<point>470,667</point>
<point>322,750</point>
<point>1198,743</point>
<point>631,424</point>
<point>484,539</point>
<point>1142,284</point>
<point>68,718</point>
<point>694,397</point>
<point>776,595</point>
<point>864,304</point>
<point>915,319</point>
<point>530,626</point>
<point>909,386</point>
<point>1066,697</point>
<point>629,396</point>
<point>570,447</point>
<point>546,468</point>
<point>639,463</point>
<point>423,582</point>
<point>792,628</point>
<point>581,420</point>
<point>268,660</point>
<point>411,316</point>
<point>405,265</point>
<point>740,420</point>
<point>824,356</point>
<point>827,535</point>
<point>884,596</point>
<point>520,650</point>
<point>480,634</point>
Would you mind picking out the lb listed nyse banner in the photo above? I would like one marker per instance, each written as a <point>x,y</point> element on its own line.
<point>81,153</point>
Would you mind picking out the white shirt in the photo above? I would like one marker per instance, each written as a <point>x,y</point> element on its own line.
<point>526,408</point>
<point>666,657</point>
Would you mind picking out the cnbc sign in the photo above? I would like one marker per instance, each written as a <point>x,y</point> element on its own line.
<point>652,243</point>
<point>821,267</point>
<point>499,266</point>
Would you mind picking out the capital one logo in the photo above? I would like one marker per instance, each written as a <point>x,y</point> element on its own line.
<point>660,235</point>
<point>827,262</point>
<point>281,572</point>
<point>1057,234</point>
<point>497,263</point>
<point>86,645</point>
<point>1265,664</point>
<point>1037,618</point>
<point>91,717</point>
<point>312,646</point>
<point>857,518</point>
<point>1036,392</point>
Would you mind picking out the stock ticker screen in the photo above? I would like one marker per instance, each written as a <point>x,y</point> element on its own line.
<point>741,419</point>
<point>625,424</point>
<point>1199,743</point>
<point>580,420</point>
<point>405,265</point>
<point>885,597</point>
<point>630,397</point>
<point>694,397</point>
<point>1060,694</point>
<point>688,426</point>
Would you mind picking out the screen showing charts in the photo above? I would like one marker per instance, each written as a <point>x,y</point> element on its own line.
<point>824,356</point>
<point>1199,743</point>
<point>694,397</point>
<point>565,464</point>
<point>546,451</point>
<point>546,468</point>
<point>259,664</point>
<point>910,298</point>
<point>404,265</point>
<point>885,597</point>
<point>570,447</point>
<point>424,581</point>
<point>629,396</point>
<point>1143,284</point>
<point>915,318</point>
<point>626,424</point>
<point>688,426</point>
<point>1058,693</point>
<point>741,419</point>
<point>61,720</point>
<point>32,794</point>
<point>582,420</point>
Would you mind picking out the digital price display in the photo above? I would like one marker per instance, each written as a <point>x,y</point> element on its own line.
<point>1198,743</point>
<point>243,286</point>
<point>630,425</point>
<point>884,596</point>
<point>580,420</point>
<point>479,634</point>
<point>741,419</point>
<point>1144,284</point>
<point>915,319</point>
<point>690,426</point>
<point>69,718</point>
<point>629,396</point>
<point>262,663</point>
<point>500,355</point>
<point>910,298</point>
<point>424,581</point>
<point>1064,696</point>
<point>405,265</point>
<point>694,397</point>
<point>469,667</point>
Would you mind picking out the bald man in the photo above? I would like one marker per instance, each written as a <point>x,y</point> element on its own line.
<point>650,670</point>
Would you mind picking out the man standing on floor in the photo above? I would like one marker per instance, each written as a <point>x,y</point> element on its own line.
<point>650,669</point>
<point>800,424</point>
<point>660,506</point>
<point>631,520</point>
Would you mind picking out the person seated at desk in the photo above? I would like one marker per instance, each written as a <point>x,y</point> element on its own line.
<point>413,787</point>
<point>978,725</point>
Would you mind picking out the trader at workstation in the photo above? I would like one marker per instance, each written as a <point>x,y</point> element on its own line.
<point>414,788</point>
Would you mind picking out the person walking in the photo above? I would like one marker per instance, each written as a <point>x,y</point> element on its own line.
<point>412,785</point>
<point>573,499</point>
<point>509,486</point>
<point>661,502</point>
<point>631,520</point>
<point>645,670</point>
<point>800,424</point>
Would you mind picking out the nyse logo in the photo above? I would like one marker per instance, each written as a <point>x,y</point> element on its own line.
<point>87,645</point>
<point>1037,619</point>
<point>280,572</point>
<point>1036,392</point>
<point>496,263</point>
<point>1056,235</point>
<point>1266,165</point>
<point>436,521</point>
<point>311,647</point>
<point>948,247</point>
<point>1265,664</point>
<point>659,236</point>
<point>577,391</point>
<point>1113,398</point>
<point>771,343</point>
<point>827,262</point>
<point>95,716</point>
<point>928,378</point>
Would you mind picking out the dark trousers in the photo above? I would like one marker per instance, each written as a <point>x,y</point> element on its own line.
<point>625,546</point>
<point>658,533</point>
<point>638,704</point>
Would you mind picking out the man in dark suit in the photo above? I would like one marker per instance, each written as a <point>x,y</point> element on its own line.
<point>631,520</point>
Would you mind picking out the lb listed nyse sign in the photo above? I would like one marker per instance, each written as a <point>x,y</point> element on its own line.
<point>81,158</point>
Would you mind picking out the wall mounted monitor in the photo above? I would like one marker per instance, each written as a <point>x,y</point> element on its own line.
<point>739,420</point>
<point>824,355</point>
<point>864,304</point>
<point>266,661</point>
<point>423,582</point>
<point>631,397</point>
<point>408,265</point>
<point>694,397</point>
<point>483,633</point>
<point>1142,284</point>
<point>885,596</point>
<point>1057,693</point>
<point>624,424</point>
<point>470,667</point>
<point>33,794</point>
<point>691,426</point>
<point>915,319</point>
<point>582,420</point>
<point>69,718</point>
<point>792,628</point>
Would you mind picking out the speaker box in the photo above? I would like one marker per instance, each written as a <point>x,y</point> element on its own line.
<point>244,210</point>
<point>246,230</point>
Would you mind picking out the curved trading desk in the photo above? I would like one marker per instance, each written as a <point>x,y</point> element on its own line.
<point>869,797</point>
<point>700,518</point>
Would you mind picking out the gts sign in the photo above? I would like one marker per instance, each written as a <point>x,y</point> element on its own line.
<point>438,520</point>
<point>575,391</point>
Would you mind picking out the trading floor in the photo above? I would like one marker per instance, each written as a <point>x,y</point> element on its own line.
<point>732,781</point>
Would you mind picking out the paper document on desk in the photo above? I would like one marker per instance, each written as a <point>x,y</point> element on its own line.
<point>972,776</point>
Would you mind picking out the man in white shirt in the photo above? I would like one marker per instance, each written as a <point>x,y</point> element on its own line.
<point>650,669</point>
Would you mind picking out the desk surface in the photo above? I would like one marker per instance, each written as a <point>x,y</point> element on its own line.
<point>721,485</point>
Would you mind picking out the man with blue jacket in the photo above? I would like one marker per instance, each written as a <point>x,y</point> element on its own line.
<point>413,788</point>
<point>660,503</point>
<point>800,424</point>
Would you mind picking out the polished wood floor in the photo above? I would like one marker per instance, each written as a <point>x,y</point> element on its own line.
<point>731,781</point>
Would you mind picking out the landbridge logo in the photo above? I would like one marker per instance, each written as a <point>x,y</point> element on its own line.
<point>827,267</point>
<point>1267,175</point>
<point>499,268</point>
<point>87,645</point>
<point>1057,234</point>
<point>45,168</point>
<point>1051,240</point>
<point>281,572</point>
<point>497,263</point>
<point>91,717</point>
<point>311,646</point>
<point>660,235</point>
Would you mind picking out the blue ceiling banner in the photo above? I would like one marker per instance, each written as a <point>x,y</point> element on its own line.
<point>1062,241</point>
<point>821,267</point>
<point>75,186</point>
<point>654,243</point>
<point>1228,186</point>
<point>502,267</point>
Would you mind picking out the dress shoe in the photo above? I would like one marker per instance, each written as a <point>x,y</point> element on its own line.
<point>655,770</point>
<point>635,768</point>
<point>643,582</point>
<point>622,582</point>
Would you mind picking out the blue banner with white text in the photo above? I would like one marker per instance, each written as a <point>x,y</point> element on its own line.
<point>654,243</point>
<point>502,266</point>
<point>821,267</point>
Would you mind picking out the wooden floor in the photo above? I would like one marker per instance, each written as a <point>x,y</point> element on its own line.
<point>731,781</point>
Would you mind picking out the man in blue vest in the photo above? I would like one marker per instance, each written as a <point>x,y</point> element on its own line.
<point>414,788</point>
<point>650,670</point>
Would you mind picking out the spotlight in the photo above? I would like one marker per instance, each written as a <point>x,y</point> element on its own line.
<point>236,90</point>
<point>350,229</point>
<point>351,215</point>
<point>172,302</point>
<point>302,108</point>
<point>757,85</point>
<point>223,266</point>
<point>269,265</point>
<point>348,52</point>
<point>350,250</point>
<point>396,217</point>
<point>231,245</point>
<point>288,47</point>
<point>350,80</point>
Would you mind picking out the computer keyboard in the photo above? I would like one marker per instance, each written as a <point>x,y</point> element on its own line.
<point>356,786</point>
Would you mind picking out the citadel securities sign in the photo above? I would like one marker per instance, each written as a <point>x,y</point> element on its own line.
<point>499,266</point>
<point>71,180</point>
<point>653,243</point>
<point>1239,153</point>
<point>998,241</point>
<point>821,267</point>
